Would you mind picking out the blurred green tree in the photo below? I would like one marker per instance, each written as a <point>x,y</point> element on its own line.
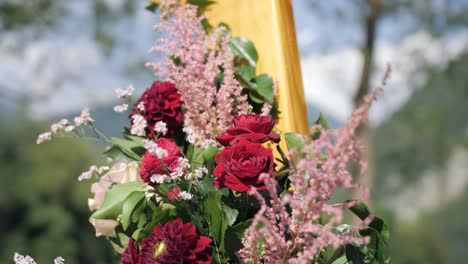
<point>43,208</point>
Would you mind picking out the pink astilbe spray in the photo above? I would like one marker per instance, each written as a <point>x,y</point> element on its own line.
<point>194,62</point>
<point>294,235</point>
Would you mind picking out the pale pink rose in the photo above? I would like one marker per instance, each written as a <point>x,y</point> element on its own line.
<point>120,172</point>
<point>103,227</point>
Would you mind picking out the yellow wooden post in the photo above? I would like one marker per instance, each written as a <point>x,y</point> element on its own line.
<point>270,25</point>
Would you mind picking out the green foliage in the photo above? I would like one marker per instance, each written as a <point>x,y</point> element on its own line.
<point>295,141</point>
<point>379,234</point>
<point>244,51</point>
<point>218,217</point>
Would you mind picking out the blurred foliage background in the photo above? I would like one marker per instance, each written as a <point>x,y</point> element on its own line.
<point>420,176</point>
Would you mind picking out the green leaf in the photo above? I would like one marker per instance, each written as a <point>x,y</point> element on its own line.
<point>244,49</point>
<point>152,7</point>
<point>354,255</point>
<point>119,242</point>
<point>246,75</point>
<point>216,217</point>
<point>295,141</point>
<point>111,207</point>
<point>375,248</point>
<point>116,154</point>
<point>129,148</point>
<point>264,87</point>
<point>209,156</point>
<point>129,205</point>
<point>231,214</point>
<point>202,4</point>
<point>234,237</point>
<point>206,185</point>
<point>321,120</point>
<point>196,159</point>
<point>362,211</point>
<point>341,260</point>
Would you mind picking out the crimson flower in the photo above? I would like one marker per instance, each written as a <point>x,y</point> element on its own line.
<point>239,167</point>
<point>251,127</point>
<point>173,193</point>
<point>160,102</point>
<point>152,165</point>
<point>175,242</point>
<point>131,255</point>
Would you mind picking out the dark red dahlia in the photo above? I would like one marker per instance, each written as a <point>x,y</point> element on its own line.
<point>160,102</point>
<point>131,253</point>
<point>175,242</point>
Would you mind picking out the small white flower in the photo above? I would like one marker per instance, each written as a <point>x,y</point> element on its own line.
<point>69,128</point>
<point>20,259</point>
<point>121,93</point>
<point>141,106</point>
<point>44,137</point>
<point>103,169</point>
<point>154,149</point>
<point>59,260</point>
<point>184,195</point>
<point>121,108</point>
<point>55,128</point>
<point>209,143</point>
<point>139,125</point>
<point>160,127</point>
<point>88,174</point>
<point>64,122</point>
<point>161,153</point>
<point>159,178</point>
<point>191,137</point>
<point>149,145</point>
<point>184,163</point>
<point>200,171</point>
<point>61,125</point>
<point>84,118</point>
<point>177,174</point>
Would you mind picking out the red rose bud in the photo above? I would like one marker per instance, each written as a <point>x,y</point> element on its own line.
<point>175,242</point>
<point>161,102</point>
<point>173,193</point>
<point>239,166</point>
<point>152,165</point>
<point>252,127</point>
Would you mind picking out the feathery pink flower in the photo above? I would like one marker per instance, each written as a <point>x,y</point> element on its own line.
<point>194,63</point>
<point>317,171</point>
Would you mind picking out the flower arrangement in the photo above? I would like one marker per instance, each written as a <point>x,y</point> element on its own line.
<point>194,179</point>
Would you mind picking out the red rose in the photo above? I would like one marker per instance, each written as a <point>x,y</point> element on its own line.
<point>152,165</point>
<point>239,166</point>
<point>175,242</point>
<point>161,102</point>
<point>252,127</point>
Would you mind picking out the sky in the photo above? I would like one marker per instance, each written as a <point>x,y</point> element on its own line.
<point>66,69</point>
